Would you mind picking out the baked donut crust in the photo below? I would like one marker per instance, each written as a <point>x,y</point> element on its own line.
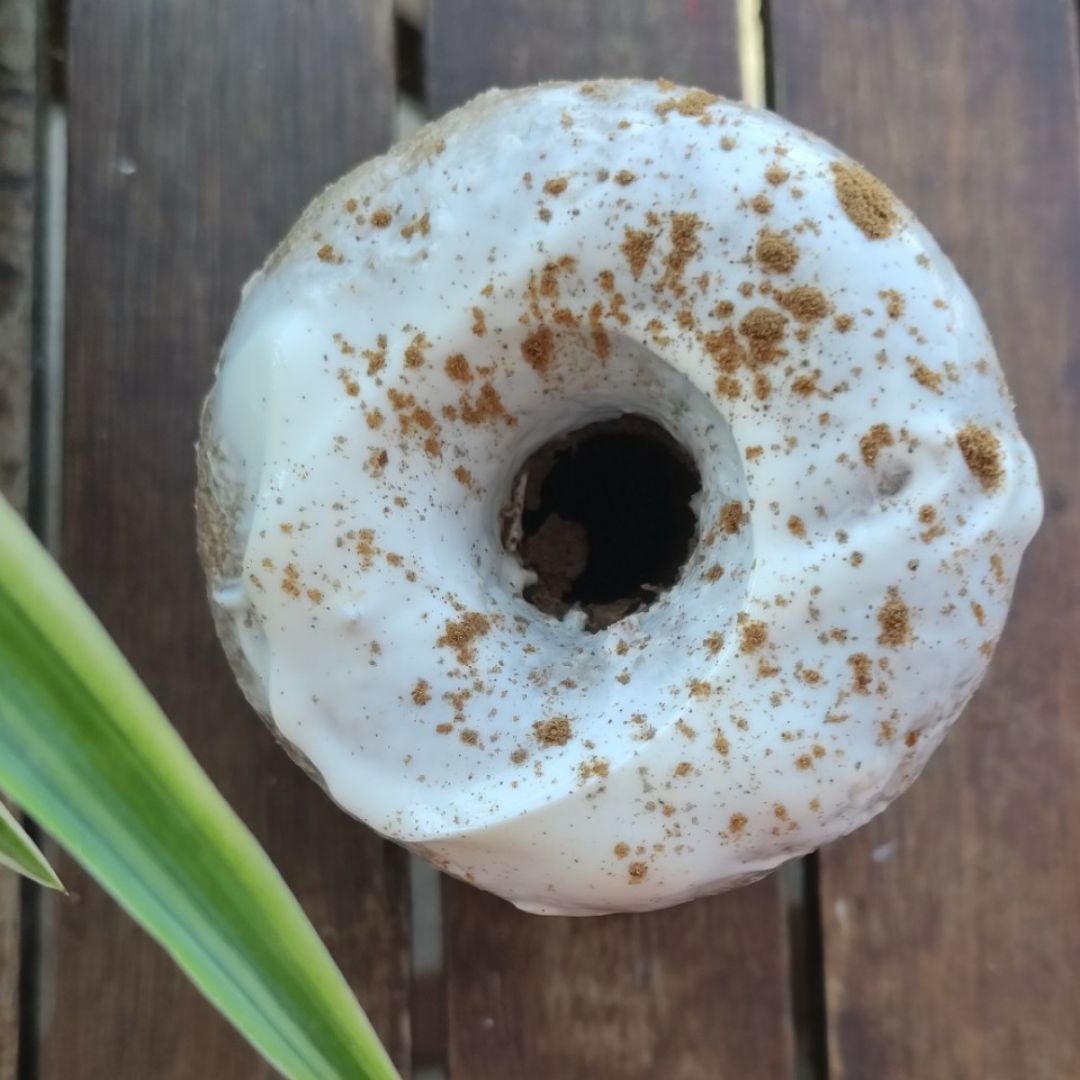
<point>533,262</point>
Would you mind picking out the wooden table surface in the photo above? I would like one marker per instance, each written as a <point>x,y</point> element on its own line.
<point>941,941</point>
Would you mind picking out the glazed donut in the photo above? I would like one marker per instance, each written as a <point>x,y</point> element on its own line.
<point>745,359</point>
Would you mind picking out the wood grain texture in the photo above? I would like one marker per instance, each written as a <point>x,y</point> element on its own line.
<point>18,115</point>
<point>952,936</point>
<point>9,975</point>
<point>476,44</point>
<point>695,993</point>
<point>18,100</point>
<point>198,132</point>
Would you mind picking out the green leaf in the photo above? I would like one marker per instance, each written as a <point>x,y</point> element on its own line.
<point>18,852</point>
<point>87,752</point>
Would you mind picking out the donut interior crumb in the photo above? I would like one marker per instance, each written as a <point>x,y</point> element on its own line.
<point>602,517</point>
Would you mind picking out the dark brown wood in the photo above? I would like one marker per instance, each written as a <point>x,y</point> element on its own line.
<point>197,134</point>
<point>476,44</point>
<point>952,936</point>
<point>9,974</point>
<point>18,113</point>
<point>699,992</point>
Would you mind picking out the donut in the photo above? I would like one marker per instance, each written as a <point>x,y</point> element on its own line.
<point>610,493</point>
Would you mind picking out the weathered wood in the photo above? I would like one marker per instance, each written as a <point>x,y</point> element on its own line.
<point>700,991</point>
<point>952,937</point>
<point>476,44</point>
<point>18,102</point>
<point>18,98</point>
<point>198,132</point>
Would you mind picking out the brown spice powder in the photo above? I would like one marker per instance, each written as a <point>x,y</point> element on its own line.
<point>924,376</point>
<point>732,517</point>
<point>724,349</point>
<point>871,444</point>
<point>981,449</point>
<point>414,351</point>
<point>753,636</point>
<point>457,367</point>
<point>637,247</point>
<point>421,225</point>
<point>461,634</point>
<point>600,341</point>
<point>862,673</point>
<point>556,731</point>
<point>290,582</point>
<point>894,303</point>
<point>776,253</point>
<point>487,409</point>
<point>538,349</point>
<point>869,204</point>
<point>806,303</point>
<point>807,385</point>
<point>684,246</point>
<point>692,103</point>
<point>765,328</point>
<point>894,618</point>
<point>997,566</point>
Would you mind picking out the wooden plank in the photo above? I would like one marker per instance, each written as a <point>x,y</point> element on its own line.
<point>476,44</point>
<point>198,132</point>
<point>18,98</point>
<point>696,992</point>
<point>18,107</point>
<point>952,941</point>
<point>9,976</point>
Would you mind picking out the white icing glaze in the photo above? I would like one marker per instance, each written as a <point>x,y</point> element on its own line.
<point>695,757</point>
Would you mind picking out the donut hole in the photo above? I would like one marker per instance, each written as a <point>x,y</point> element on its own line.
<point>602,516</point>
